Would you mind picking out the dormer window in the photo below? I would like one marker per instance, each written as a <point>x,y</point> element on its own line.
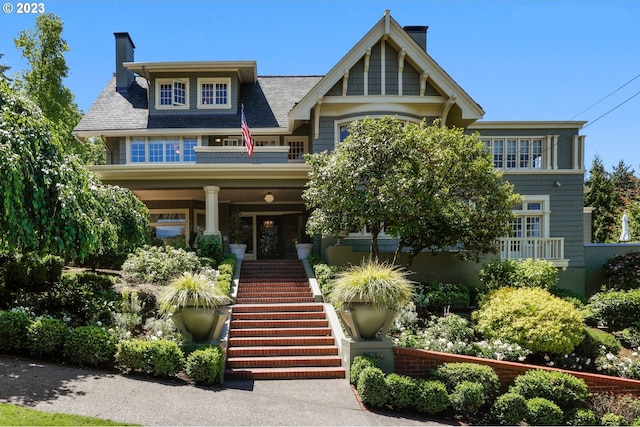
<point>214,93</point>
<point>172,93</point>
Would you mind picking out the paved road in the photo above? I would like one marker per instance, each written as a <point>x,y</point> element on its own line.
<point>132,399</point>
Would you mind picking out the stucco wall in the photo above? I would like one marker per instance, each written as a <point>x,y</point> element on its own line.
<point>596,254</point>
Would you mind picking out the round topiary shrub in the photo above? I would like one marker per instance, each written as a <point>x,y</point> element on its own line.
<point>617,309</point>
<point>452,374</point>
<point>47,337</point>
<point>372,387</point>
<point>532,318</point>
<point>543,412</point>
<point>358,365</point>
<point>14,328</point>
<point>564,389</point>
<point>402,391</point>
<point>90,346</point>
<point>205,366</point>
<point>581,417</point>
<point>467,398</point>
<point>432,397</point>
<point>611,419</point>
<point>510,409</point>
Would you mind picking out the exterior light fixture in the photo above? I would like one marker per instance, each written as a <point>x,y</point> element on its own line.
<point>269,197</point>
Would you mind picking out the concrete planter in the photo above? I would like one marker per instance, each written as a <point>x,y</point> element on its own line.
<point>201,324</point>
<point>304,250</point>
<point>365,321</point>
<point>238,249</point>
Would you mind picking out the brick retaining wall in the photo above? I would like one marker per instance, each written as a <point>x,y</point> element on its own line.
<point>417,363</point>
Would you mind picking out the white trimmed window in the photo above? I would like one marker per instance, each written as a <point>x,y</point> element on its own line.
<point>169,224</point>
<point>162,149</point>
<point>214,93</point>
<point>298,147</point>
<point>515,153</point>
<point>172,93</point>
<point>532,217</point>
<point>342,127</point>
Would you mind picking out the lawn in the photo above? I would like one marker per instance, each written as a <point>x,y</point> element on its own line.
<point>12,415</point>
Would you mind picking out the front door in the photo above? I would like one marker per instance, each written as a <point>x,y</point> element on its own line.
<point>276,236</point>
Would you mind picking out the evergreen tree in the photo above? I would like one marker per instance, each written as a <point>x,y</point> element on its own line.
<point>600,194</point>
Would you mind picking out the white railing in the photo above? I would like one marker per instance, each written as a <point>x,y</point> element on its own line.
<point>551,248</point>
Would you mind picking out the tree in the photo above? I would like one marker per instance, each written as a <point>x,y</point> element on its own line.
<point>601,195</point>
<point>3,70</point>
<point>428,186</point>
<point>44,48</point>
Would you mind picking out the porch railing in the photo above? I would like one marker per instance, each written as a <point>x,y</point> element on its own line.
<point>550,248</point>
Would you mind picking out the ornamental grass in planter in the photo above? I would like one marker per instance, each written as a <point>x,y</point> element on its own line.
<point>196,306</point>
<point>369,295</point>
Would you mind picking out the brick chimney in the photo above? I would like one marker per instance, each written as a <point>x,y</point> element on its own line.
<point>124,53</point>
<point>418,33</point>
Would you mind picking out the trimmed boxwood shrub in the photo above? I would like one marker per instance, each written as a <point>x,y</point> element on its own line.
<point>14,328</point>
<point>532,318</point>
<point>467,398</point>
<point>359,363</point>
<point>611,419</point>
<point>510,409</point>
<point>564,389</point>
<point>90,346</point>
<point>402,391</point>
<point>209,246</point>
<point>543,412</point>
<point>372,387</point>
<point>161,358</point>
<point>47,337</point>
<point>581,417</point>
<point>594,341</point>
<point>617,309</point>
<point>527,273</point>
<point>452,374</point>
<point>205,366</point>
<point>432,397</point>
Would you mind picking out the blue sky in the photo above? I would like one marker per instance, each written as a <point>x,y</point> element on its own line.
<point>520,60</point>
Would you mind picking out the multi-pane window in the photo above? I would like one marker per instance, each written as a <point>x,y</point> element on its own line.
<point>529,220</point>
<point>169,225</point>
<point>172,93</point>
<point>298,146</point>
<point>515,153</point>
<point>162,150</point>
<point>214,93</point>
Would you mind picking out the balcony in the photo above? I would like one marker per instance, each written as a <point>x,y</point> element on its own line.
<point>231,154</point>
<point>550,249</point>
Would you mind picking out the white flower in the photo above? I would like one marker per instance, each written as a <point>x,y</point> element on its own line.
<point>610,356</point>
<point>521,358</point>
<point>551,363</point>
<point>99,323</point>
<point>546,358</point>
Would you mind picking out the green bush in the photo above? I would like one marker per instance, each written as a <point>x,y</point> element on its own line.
<point>561,388</point>
<point>432,397</point>
<point>90,346</point>
<point>205,366</point>
<point>595,342</point>
<point>452,374</point>
<point>581,417</point>
<point>528,273</point>
<point>616,309</point>
<point>209,246</point>
<point>358,365</point>
<point>510,409</point>
<point>159,264</point>
<point>372,387</point>
<point>325,274</point>
<point>436,296</point>
<point>451,328</point>
<point>14,329</point>
<point>32,272</point>
<point>543,412</point>
<point>467,398</point>
<point>531,317</point>
<point>160,358</point>
<point>402,391</point>
<point>97,281</point>
<point>623,271</point>
<point>613,420</point>
<point>47,337</point>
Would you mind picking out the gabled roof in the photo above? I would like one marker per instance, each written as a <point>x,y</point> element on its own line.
<point>389,30</point>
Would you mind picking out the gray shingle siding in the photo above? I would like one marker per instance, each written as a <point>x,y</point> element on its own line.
<point>228,158</point>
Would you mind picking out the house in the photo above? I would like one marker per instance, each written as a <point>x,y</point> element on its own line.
<point>173,136</point>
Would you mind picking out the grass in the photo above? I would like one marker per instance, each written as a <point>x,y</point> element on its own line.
<point>12,415</point>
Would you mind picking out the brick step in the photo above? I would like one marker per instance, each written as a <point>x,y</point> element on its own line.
<point>252,308</point>
<point>287,350</point>
<point>284,373</point>
<point>285,323</point>
<point>278,315</point>
<point>274,294</point>
<point>274,278</point>
<point>279,332</point>
<point>281,300</point>
<point>280,341</point>
<point>274,283</point>
<point>279,361</point>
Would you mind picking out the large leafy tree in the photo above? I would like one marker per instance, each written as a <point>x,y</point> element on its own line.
<point>3,69</point>
<point>428,186</point>
<point>44,48</point>
<point>601,195</point>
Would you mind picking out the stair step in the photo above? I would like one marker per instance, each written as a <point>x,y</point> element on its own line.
<point>249,308</point>
<point>274,294</point>
<point>279,332</point>
<point>288,350</point>
<point>280,323</point>
<point>284,373</point>
<point>285,300</point>
<point>279,361</point>
<point>278,315</point>
<point>280,341</point>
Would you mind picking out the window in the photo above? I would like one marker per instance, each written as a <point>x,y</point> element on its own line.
<point>162,150</point>
<point>342,127</point>
<point>214,93</point>
<point>532,218</point>
<point>169,224</point>
<point>172,93</point>
<point>298,147</point>
<point>515,153</point>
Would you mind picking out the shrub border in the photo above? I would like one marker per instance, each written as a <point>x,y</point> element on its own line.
<point>418,363</point>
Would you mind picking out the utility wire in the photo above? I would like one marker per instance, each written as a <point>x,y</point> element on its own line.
<point>613,109</point>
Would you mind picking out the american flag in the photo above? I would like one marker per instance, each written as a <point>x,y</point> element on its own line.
<point>246,134</point>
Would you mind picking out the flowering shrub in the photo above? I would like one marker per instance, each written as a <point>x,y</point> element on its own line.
<point>623,271</point>
<point>620,366</point>
<point>616,308</point>
<point>158,264</point>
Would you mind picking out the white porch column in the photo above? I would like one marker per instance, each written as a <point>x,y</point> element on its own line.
<point>211,205</point>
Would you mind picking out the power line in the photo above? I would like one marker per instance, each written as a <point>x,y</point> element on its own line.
<point>613,109</point>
